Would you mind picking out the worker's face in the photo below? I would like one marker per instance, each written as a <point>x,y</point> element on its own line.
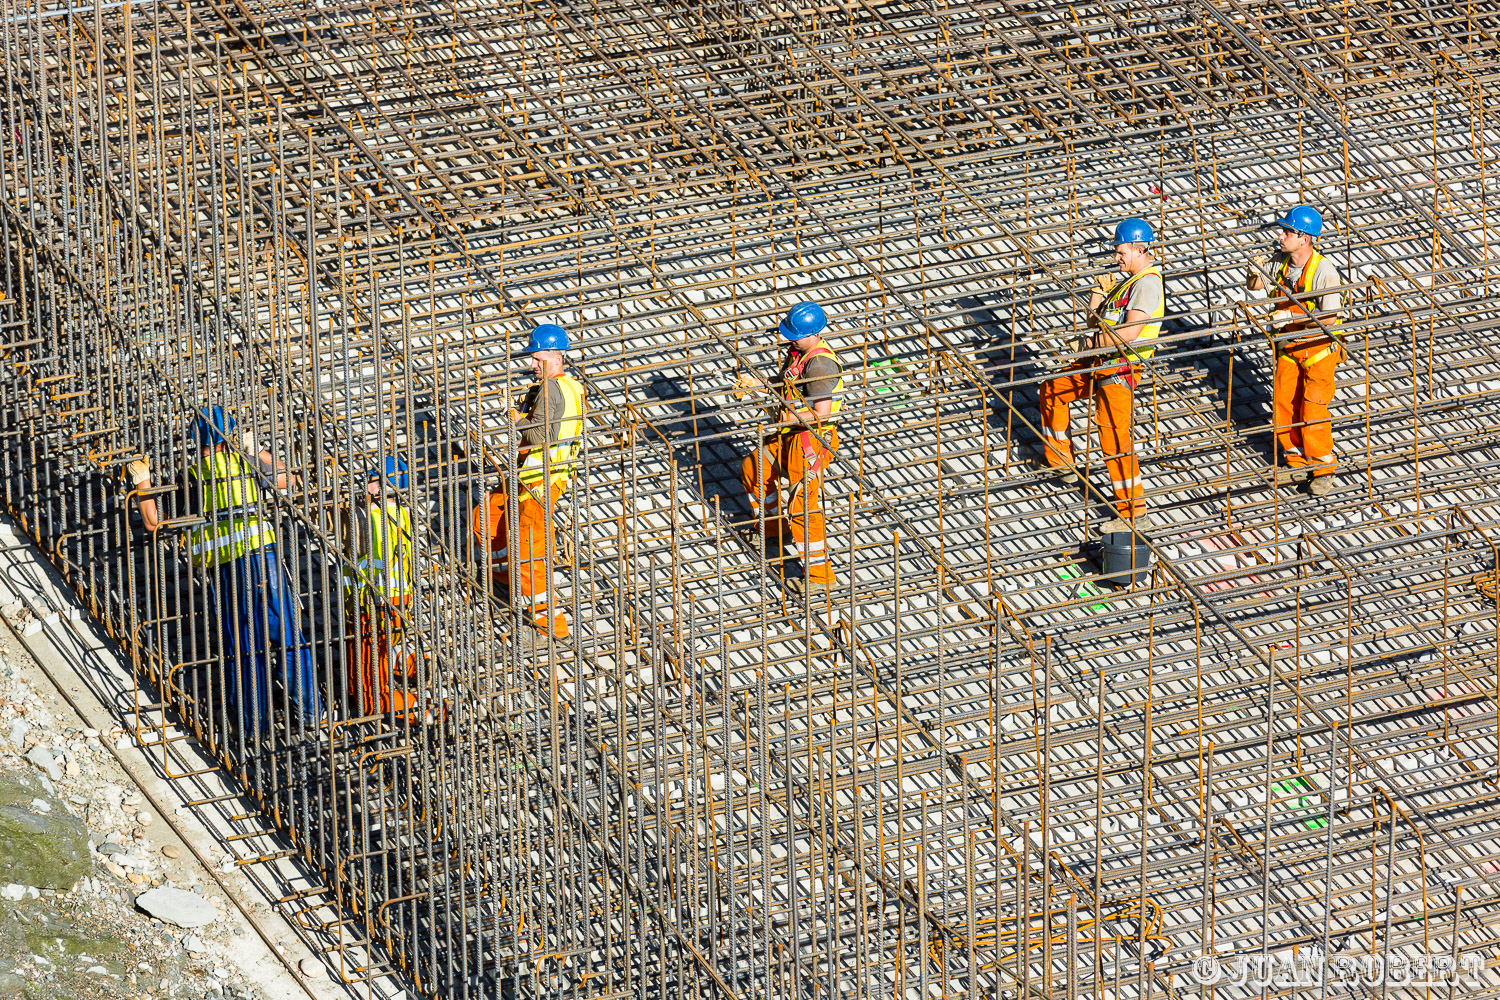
<point>806,343</point>
<point>545,363</point>
<point>1131,257</point>
<point>1292,241</point>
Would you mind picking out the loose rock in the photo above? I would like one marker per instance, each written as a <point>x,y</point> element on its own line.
<point>171,850</point>
<point>42,758</point>
<point>177,906</point>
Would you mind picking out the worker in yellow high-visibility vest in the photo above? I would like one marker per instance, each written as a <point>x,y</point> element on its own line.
<point>812,389</point>
<point>1133,310</point>
<point>383,661</point>
<point>1308,345</point>
<point>236,546</point>
<point>551,426</point>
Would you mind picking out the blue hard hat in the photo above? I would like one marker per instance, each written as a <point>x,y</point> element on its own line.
<point>395,473</point>
<point>805,319</point>
<point>1303,219</point>
<point>212,426</point>
<point>1134,230</point>
<point>547,337</point>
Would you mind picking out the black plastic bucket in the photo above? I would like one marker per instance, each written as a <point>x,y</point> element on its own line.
<point>1124,559</point>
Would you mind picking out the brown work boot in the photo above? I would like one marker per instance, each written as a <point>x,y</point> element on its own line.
<point>558,627</point>
<point>1320,486</point>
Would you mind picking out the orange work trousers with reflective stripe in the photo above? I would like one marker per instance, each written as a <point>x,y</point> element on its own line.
<point>382,666</point>
<point>534,520</point>
<point>1112,400</point>
<point>786,457</point>
<point>1304,428</point>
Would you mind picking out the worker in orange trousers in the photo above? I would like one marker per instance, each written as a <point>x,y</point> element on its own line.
<point>1308,345</point>
<point>551,427</point>
<point>811,383</point>
<point>1132,311</point>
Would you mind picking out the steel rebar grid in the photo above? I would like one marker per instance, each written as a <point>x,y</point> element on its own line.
<point>336,221</point>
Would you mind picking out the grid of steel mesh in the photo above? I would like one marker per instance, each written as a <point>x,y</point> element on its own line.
<point>970,769</point>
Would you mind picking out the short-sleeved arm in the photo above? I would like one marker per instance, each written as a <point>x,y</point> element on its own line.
<point>820,378</point>
<point>1146,295</point>
<point>1327,276</point>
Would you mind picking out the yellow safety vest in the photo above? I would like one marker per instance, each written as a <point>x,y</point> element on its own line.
<point>388,566</point>
<point>1335,342</point>
<point>1300,285</point>
<point>561,456</point>
<point>229,498</point>
<point>1114,314</point>
<point>791,372</point>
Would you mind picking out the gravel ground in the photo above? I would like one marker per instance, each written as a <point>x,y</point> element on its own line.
<point>80,826</point>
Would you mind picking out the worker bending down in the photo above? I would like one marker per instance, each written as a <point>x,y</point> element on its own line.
<point>382,659</point>
<point>550,423</point>
<point>1308,345</point>
<point>811,383</point>
<point>1132,311</point>
<point>258,609</point>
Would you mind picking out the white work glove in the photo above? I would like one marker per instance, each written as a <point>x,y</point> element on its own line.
<point>247,441</point>
<point>138,472</point>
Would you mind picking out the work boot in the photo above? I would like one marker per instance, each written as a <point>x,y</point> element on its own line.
<point>558,627</point>
<point>1122,523</point>
<point>1319,486</point>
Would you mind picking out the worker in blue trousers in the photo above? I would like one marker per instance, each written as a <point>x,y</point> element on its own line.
<point>236,546</point>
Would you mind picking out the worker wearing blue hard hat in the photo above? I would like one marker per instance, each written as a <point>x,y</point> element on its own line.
<point>1126,315</point>
<point>235,545</point>
<point>550,423</point>
<point>1304,322</point>
<point>811,384</point>
<point>382,657</point>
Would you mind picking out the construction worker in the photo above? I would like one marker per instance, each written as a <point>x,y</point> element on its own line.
<point>1308,345</point>
<point>378,592</point>
<point>550,423</point>
<point>811,384</point>
<point>237,548</point>
<point>1131,311</point>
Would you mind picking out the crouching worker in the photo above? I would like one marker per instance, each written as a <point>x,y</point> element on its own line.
<point>382,657</point>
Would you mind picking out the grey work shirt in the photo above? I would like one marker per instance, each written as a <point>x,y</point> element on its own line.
<point>819,379</point>
<point>1145,295</point>
<point>542,423</point>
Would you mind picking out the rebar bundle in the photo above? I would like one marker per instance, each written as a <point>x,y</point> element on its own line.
<point>972,768</point>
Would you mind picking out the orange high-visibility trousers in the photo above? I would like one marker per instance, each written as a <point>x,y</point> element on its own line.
<point>533,574</point>
<point>382,664</point>
<point>1112,398</point>
<point>1304,427</point>
<point>786,457</point>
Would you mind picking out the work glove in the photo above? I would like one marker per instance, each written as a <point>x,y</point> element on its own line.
<point>1260,261</point>
<point>138,472</point>
<point>247,441</point>
<point>746,386</point>
<point>1105,283</point>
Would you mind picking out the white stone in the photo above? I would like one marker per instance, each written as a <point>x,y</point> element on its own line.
<point>18,730</point>
<point>42,758</point>
<point>177,906</point>
<point>13,891</point>
<point>41,806</point>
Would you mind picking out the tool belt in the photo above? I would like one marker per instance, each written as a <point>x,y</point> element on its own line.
<point>1332,347</point>
<point>1125,375</point>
